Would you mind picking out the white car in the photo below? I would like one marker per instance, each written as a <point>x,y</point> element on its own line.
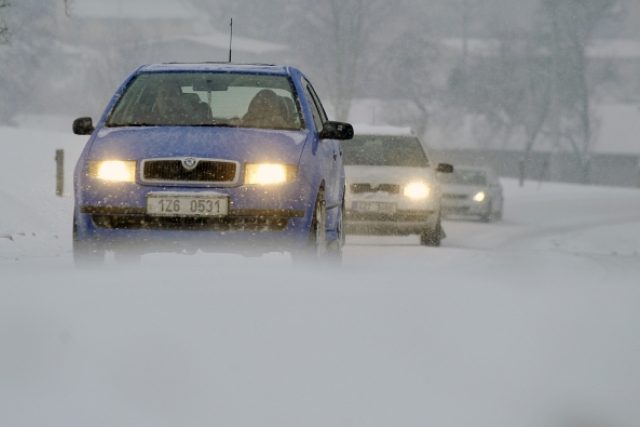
<point>391,186</point>
<point>472,191</point>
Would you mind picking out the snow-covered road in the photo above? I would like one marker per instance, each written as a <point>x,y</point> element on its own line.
<point>532,321</point>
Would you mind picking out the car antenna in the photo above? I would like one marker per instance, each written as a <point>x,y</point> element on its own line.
<point>230,37</point>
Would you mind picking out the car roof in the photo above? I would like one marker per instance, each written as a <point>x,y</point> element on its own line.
<point>217,66</point>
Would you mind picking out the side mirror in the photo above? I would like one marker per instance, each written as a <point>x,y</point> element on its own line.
<point>83,126</point>
<point>444,168</point>
<point>336,130</point>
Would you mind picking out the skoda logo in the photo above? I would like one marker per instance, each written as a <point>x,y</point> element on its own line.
<point>189,163</point>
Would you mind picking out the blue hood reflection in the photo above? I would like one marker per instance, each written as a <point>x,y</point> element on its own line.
<point>242,145</point>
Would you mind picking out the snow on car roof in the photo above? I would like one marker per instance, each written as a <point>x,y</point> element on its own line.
<point>365,129</point>
<point>217,66</point>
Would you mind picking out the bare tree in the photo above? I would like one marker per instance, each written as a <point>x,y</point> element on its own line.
<point>411,67</point>
<point>501,90</point>
<point>338,39</point>
<point>68,4</point>
<point>571,24</point>
<point>4,29</point>
<point>33,53</point>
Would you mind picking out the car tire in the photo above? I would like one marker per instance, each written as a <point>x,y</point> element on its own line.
<point>334,248</point>
<point>317,247</point>
<point>500,213</point>
<point>432,237</point>
<point>488,217</point>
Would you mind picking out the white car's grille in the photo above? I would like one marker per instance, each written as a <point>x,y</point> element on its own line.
<point>455,196</point>
<point>368,188</point>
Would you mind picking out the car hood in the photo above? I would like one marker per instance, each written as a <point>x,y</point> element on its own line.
<point>238,144</point>
<point>462,189</point>
<point>376,175</point>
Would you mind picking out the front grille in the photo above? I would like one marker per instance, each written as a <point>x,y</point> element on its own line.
<point>228,223</point>
<point>455,196</point>
<point>368,188</point>
<point>172,170</point>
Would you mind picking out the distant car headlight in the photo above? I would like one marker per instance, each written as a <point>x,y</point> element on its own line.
<point>268,173</point>
<point>417,190</point>
<point>480,196</point>
<point>113,170</point>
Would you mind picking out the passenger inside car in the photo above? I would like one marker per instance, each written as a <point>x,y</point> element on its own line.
<point>266,110</point>
<point>169,107</point>
<point>199,111</point>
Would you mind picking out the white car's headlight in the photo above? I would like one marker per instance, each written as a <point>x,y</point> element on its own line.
<point>268,173</point>
<point>417,190</point>
<point>113,170</point>
<point>479,196</point>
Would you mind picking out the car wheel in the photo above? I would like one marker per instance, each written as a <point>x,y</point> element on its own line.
<point>498,215</point>
<point>317,246</point>
<point>500,212</point>
<point>334,248</point>
<point>318,232</point>
<point>432,237</point>
<point>487,217</point>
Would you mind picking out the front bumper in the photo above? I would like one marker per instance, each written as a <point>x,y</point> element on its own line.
<point>259,219</point>
<point>465,208</point>
<point>402,222</point>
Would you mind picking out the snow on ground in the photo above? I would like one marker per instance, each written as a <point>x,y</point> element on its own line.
<point>532,321</point>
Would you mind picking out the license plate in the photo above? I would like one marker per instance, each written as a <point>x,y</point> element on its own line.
<point>379,207</point>
<point>187,205</point>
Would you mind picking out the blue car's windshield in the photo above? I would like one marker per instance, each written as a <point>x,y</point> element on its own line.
<point>379,150</point>
<point>208,99</point>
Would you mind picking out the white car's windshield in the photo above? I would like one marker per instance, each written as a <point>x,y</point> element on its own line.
<point>208,99</point>
<point>464,177</point>
<point>378,150</point>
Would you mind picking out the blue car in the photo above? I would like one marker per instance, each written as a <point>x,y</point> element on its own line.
<point>212,157</point>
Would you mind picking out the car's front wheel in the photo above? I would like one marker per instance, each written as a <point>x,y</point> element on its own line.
<point>317,246</point>
<point>488,216</point>
<point>334,248</point>
<point>432,236</point>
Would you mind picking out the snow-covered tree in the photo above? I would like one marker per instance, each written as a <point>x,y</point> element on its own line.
<point>570,28</point>
<point>411,64</point>
<point>4,29</point>
<point>335,38</point>
<point>26,61</point>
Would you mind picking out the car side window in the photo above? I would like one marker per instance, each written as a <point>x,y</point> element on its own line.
<point>319,116</point>
<point>316,99</point>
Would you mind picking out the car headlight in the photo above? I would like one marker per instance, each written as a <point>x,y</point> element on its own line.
<point>417,190</point>
<point>479,196</point>
<point>113,170</point>
<point>268,173</point>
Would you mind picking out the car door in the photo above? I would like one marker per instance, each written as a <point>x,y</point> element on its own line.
<point>329,150</point>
